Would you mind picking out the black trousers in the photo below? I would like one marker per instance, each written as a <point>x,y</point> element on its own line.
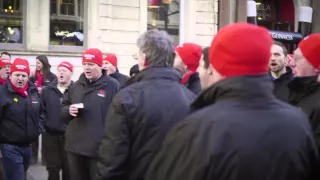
<point>82,167</point>
<point>55,156</point>
<point>35,147</point>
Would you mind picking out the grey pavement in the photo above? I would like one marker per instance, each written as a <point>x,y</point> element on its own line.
<point>37,172</point>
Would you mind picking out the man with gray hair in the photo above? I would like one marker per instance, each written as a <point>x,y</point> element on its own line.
<point>143,112</point>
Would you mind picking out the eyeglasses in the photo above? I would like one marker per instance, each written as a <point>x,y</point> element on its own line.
<point>135,56</point>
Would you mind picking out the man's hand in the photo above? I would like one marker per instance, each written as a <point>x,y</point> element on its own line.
<point>39,90</point>
<point>73,111</point>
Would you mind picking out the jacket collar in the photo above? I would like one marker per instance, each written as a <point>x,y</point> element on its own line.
<point>241,87</point>
<point>85,81</point>
<point>286,76</point>
<point>304,84</point>
<point>116,74</point>
<point>54,84</point>
<point>155,73</point>
<point>31,87</point>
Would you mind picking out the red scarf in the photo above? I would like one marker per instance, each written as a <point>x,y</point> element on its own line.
<point>21,91</point>
<point>2,81</point>
<point>39,77</point>
<point>185,77</point>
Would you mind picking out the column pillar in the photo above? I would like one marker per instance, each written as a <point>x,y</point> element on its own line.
<point>38,25</point>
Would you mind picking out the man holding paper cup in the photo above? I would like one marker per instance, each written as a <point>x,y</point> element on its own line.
<point>84,107</point>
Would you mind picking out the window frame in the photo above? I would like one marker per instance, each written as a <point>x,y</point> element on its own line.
<point>19,46</point>
<point>180,25</point>
<point>61,48</point>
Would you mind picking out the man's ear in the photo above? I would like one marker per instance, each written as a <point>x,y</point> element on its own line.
<point>210,69</point>
<point>144,59</point>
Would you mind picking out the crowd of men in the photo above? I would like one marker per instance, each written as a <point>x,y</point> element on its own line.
<point>237,110</point>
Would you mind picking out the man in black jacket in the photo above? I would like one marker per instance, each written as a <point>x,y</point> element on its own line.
<point>240,130</point>
<point>144,111</point>
<point>21,117</point>
<point>187,60</point>
<point>84,107</point>
<point>304,88</point>
<point>53,139</point>
<point>110,64</point>
<point>279,72</point>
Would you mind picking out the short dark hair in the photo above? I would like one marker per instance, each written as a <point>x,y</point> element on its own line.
<point>134,69</point>
<point>205,52</point>
<point>284,49</point>
<point>6,53</point>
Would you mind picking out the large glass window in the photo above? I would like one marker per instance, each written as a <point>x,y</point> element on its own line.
<point>11,21</point>
<point>165,15</point>
<point>66,22</point>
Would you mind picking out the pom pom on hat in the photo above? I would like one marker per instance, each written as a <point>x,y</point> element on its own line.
<point>241,49</point>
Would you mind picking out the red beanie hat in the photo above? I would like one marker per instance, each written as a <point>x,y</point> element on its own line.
<point>4,62</point>
<point>92,55</point>
<point>241,49</point>
<point>190,54</point>
<point>66,65</point>
<point>21,65</point>
<point>111,58</point>
<point>310,48</point>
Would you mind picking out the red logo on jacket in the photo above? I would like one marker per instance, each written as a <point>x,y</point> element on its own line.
<point>34,99</point>
<point>102,93</point>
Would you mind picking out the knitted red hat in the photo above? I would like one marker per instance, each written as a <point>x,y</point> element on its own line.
<point>4,62</point>
<point>241,49</point>
<point>21,65</point>
<point>310,48</point>
<point>66,65</point>
<point>111,58</point>
<point>92,55</point>
<point>190,54</point>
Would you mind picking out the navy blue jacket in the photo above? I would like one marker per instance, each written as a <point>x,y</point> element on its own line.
<point>21,119</point>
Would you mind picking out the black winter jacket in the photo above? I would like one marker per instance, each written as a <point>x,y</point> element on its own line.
<point>240,132</point>
<point>281,89</point>
<point>52,98</point>
<point>139,118</point>
<point>84,132</point>
<point>193,83</point>
<point>305,94</point>
<point>121,78</point>
<point>21,119</point>
<point>46,80</point>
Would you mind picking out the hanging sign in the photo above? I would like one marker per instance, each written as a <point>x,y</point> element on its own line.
<point>286,37</point>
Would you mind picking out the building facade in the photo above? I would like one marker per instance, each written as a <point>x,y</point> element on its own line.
<point>270,13</point>
<point>63,29</point>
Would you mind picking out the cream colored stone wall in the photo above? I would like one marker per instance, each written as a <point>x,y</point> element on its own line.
<point>120,26</point>
<point>206,21</point>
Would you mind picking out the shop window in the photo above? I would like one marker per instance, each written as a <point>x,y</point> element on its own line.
<point>277,15</point>
<point>67,22</point>
<point>11,21</point>
<point>165,15</point>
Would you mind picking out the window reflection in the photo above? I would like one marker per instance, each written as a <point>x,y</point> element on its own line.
<point>66,22</point>
<point>164,15</point>
<point>11,21</point>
